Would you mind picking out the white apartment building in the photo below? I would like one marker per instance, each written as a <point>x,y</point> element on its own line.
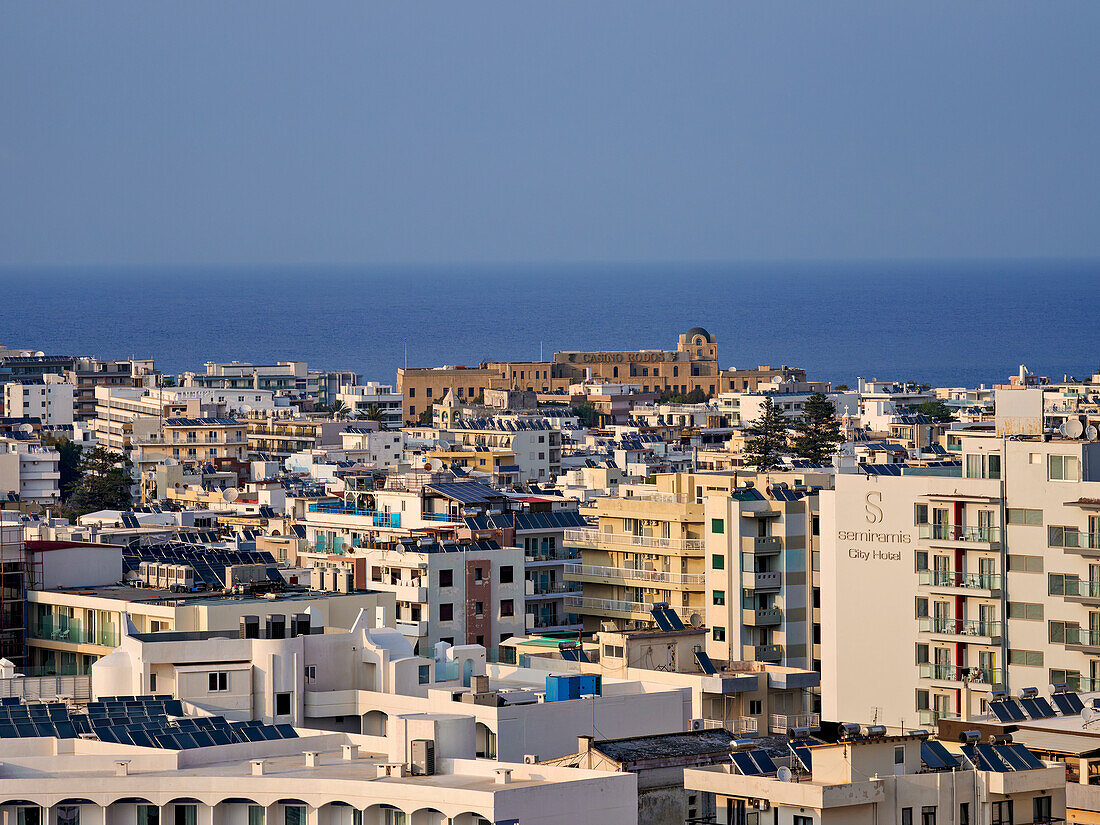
<point>29,470</point>
<point>286,378</point>
<point>880,779</point>
<point>373,399</point>
<point>879,401</point>
<point>51,402</point>
<point>740,408</point>
<point>937,589</point>
<point>375,448</point>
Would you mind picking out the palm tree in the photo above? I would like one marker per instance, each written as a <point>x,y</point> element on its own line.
<point>339,410</point>
<point>373,413</point>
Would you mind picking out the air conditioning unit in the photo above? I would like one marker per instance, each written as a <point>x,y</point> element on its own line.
<point>530,759</point>
<point>697,724</point>
<point>761,804</point>
<point>422,760</point>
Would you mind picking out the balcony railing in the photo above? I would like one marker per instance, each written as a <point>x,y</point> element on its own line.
<point>763,617</point>
<point>959,627</point>
<point>953,578</point>
<point>1082,588</point>
<point>780,723</point>
<point>552,588</point>
<point>593,605</point>
<point>54,630</point>
<point>1082,636</point>
<point>1075,539</point>
<point>561,554</point>
<point>592,537</point>
<point>624,573</point>
<point>953,673</point>
<point>959,532</point>
<point>932,717</point>
<point>763,653</point>
<point>378,518</point>
<point>744,725</point>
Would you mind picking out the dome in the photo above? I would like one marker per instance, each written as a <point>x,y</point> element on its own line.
<point>691,333</point>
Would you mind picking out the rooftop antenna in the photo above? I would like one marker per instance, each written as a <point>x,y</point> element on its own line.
<point>406,353</point>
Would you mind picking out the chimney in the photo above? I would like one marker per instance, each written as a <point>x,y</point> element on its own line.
<point>584,744</point>
<point>257,767</point>
<point>504,776</point>
<point>311,759</point>
<point>350,752</point>
<point>122,767</point>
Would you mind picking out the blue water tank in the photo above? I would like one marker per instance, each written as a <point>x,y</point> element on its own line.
<point>561,687</point>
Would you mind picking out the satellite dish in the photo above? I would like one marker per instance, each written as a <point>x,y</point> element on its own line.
<point>26,428</point>
<point>246,408</point>
<point>695,620</point>
<point>1074,428</point>
<point>1089,715</point>
<point>784,774</point>
<point>1063,428</point>
<point>170,462</point>
<point>40,354</point>
<point>230,493</point>
<point>1091,432</point>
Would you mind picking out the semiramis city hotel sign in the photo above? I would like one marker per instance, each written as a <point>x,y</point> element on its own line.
<point>873,515</point>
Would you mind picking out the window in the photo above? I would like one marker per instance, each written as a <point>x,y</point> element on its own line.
<point>507,607</point>
<point>479,609</point>
<point>446,578</point>
<point>1025,610</point>
<point>1058,631</point>
<point>964,813</point>
<point>928,815</point>
<point>506,574</point>
<point>1063,468</point>
<point>922,607</point>
<point>479,575</point>
<point>1056,536</point>
<point>717,525</point>
<point>311,674</point>
<point>152,683</point>
<point>446,612</point>
<point>186,814</point>
<point>899,754</point>
<point>424,674</point>
<point>1056,584</point>
<point>256,814</point>
<point>294,815</point>
<point>922,654</point>
<point>1019,515</point>
<point>718,561</point>
<point>282,704</point>
<point>981,465</point>
<point>1041,809</point>
<point>803,820</point>
<point>1024,564</point>
<point>613,651</point>
<point>148,815</point>
<point>756,707</point>
<point>428,393</point>
<point>719,597</point>
<point>68,815</point>
<point>718,633</point>
<point>906,816</point>
<point>921,557</point>
<point>412,392</point>
<point>219,682</point>
<point>1001,813</point>
<point>920,514</point>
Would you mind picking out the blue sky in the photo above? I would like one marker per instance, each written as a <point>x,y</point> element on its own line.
<point>278,132</point>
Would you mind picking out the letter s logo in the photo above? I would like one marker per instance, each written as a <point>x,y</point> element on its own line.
<point>874,512</point>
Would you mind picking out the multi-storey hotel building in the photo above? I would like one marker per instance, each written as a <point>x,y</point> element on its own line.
<point>937,589</point>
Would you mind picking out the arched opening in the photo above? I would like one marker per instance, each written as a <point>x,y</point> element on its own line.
<point>384,815</point>
<point>485,741</point>
<point>470,818</point>
<point>427,816</point>
<point>374,723</point>
<point>241,809</point>
<point>183,810</point>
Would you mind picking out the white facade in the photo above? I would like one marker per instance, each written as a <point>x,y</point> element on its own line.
<point>31,470</point>
<point>359,399</point>
<point>52,402</point>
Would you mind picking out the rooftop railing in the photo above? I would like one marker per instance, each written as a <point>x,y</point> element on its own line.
<point>588,536</point>
<point>622,573</point>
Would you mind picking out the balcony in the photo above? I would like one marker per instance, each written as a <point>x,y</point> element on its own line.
<point>1080,590</point>
<point>978,632</point>
<point>411,628</point>
<point>620,575</point>
<point>762,653</point>
<point>761,618</point>
<point>953,580</point>
<point>762,545</point>
<point>562,554</point>
<point>959,534</point>
<point>742,725</point>
<point>933,717</point>
<point>542,589</point>
<point>953,673</point>
<point>610,607</point>
<point>1082,638</point>
<point>780,723</point>
<point>378,519</point>
<point>55,630</point>
<point>764,581</point>
<point>1079,544</point>
<point>595,539</point>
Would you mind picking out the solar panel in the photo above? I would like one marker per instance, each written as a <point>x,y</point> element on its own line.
<point>1069,703</point>
<point>705,663</point>
<point>1013,709</point>
<point>661,619</point>
<point>988,760</point>
<point>998,710</point>
<point>939,753</point>
<point>1038,708</point>
<point>763,761</point>
<point>802,753</point>
<point>286,731</point>
<point>745,763</point>
<point>1021,755</point>
<point>673,619</point>
<point>8,731</point>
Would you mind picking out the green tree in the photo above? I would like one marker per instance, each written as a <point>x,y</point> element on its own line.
<point>696,396</point>
<point>104,483</point>
<point>167,381</point>
<point>936,410</point>
<point>588,414</point>
<point>842,388</point>
<point>767,438</point>
<point>69,465</point>
<point>373,413</point>
<point>339,410</point>
<point>817,432</point>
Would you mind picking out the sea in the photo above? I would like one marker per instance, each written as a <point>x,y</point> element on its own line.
<point>943,323</point>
